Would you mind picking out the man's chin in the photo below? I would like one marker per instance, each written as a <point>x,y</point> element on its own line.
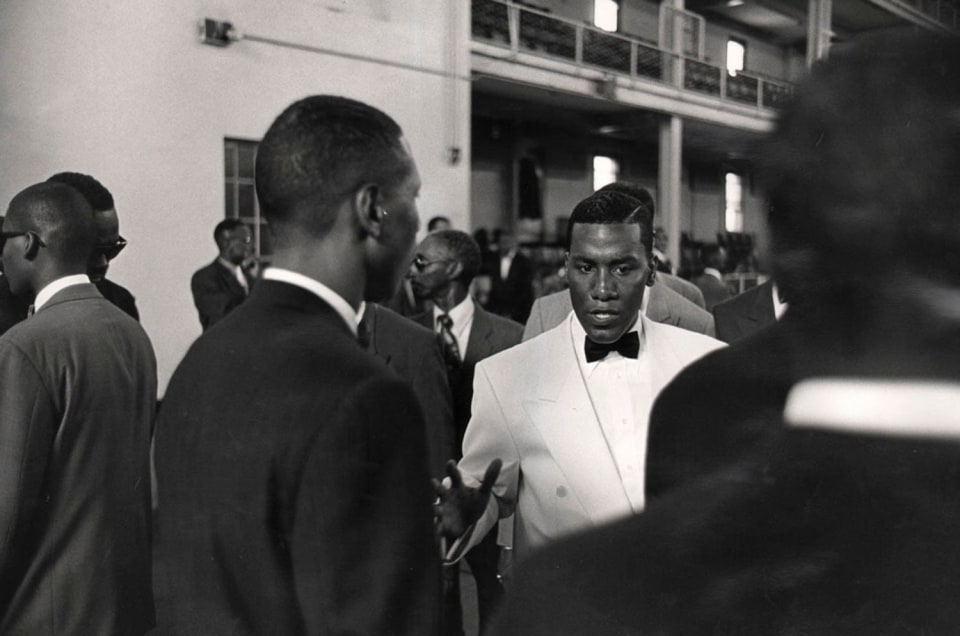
<point>96,277</point>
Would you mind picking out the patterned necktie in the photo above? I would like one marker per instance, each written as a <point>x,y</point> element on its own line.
<point>451,351</point>
<point>628,346</point>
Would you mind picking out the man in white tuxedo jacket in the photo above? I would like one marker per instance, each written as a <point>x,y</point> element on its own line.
<point>564,415</point>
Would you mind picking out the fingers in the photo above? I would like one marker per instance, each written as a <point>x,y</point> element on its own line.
<point>490,476</point>
<point>456,481</point>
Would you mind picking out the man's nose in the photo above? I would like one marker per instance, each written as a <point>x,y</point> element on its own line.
<point>604,288</point>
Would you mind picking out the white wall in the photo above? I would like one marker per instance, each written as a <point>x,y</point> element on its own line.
<point>123,90</point>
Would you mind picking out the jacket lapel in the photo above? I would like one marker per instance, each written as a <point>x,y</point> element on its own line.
<point>478,344</point>
<point>659,309</point>
<point>564,416</point>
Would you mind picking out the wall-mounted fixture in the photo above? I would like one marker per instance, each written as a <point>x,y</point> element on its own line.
<point>217,32</point>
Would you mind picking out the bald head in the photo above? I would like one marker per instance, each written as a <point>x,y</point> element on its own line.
<point>57,237</point>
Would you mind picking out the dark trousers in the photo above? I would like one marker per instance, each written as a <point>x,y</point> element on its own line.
<point>483,560</point>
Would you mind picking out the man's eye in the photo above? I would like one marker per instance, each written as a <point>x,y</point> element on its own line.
<point>584,269</point>
<point>622,270</point>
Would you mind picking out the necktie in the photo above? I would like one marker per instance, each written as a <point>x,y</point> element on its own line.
<point>628,346</point>
<point>451,351</point>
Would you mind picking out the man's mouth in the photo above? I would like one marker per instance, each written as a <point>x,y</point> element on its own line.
<point>604,315</point>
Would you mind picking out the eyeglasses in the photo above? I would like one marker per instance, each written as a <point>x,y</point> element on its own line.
<point>9,235</point>
<point>420,263</point>
<point>110,250</point>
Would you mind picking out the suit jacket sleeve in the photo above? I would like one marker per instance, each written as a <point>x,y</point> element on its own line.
<point>487,438</point>
<point>534,326</point>
<point>27,428</point>
<point>210,297</point>
<point>363,533</point>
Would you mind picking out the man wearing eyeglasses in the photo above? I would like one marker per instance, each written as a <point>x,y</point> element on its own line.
<point>76,408</point>
<point>109,243</point>
<point>221,286</point>
<point>442,270</point>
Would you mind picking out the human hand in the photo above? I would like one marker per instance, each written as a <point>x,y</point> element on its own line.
<point>458,505</point>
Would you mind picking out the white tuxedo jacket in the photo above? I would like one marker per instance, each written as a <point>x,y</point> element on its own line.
<point>531,409</point>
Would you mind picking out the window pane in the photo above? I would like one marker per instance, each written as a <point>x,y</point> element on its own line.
<point>605,14</point>
<point>736,52</point>
<point>230,159</point>
<point>733,196</point>
<point>245,159</point>
<point>246,201</point>
<point>230,200</point>
<point>605,170</point>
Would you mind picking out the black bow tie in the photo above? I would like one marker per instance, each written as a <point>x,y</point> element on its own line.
<point>628,346</point>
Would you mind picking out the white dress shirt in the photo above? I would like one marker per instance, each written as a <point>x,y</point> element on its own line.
<point>317,288</point>
<point>462,317</point>
<point>779,308</point>
<point>237,273</point>
<point>51,288</point>
<point>621,393</point>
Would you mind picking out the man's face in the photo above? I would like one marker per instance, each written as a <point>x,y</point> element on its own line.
<point>108,233</point>
<point>607,270</point>
<point>430,269</point>
<point>399,231</point>
<point>12,258</point>
<point>238,245</point>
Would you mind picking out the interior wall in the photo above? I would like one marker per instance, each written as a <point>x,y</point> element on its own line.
<point>126,92</point>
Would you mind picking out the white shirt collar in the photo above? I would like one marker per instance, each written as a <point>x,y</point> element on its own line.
<point>710,271</point>
<point>778,307</point>
<point>317,288</point>
<point>880,407</point>
<point>51,288</point>
<point>460,314</point>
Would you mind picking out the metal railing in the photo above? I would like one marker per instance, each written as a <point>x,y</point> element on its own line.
<point>520,28</point>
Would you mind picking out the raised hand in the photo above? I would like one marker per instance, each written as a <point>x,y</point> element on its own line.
<point>458,505</point>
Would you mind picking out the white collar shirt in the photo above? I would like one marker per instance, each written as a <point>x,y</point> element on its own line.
<point>237,273</point>
<point>779,308</point>
<point>54,286</point>
<point>711,271</point>
<point>462,316</point>
<point>332,298</point>
<point>621,393</point>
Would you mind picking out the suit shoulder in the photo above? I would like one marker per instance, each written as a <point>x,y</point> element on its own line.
<point>690,340</point>
<point>506,327</point>
<point>523,354</point>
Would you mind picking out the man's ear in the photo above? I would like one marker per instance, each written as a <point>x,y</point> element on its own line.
<point>652,273</point>
<point>32,246</point>
<point>368,211</point>
<point>455,268</point>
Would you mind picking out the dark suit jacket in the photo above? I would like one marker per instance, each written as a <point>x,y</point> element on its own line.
<point>119,296</point>
<point>745,314</point>
<point>489,334</point>
<point>714,291</point>
<point>293,489</point>
<point>79,390</point>
<point>512,296</point>
<point>414,353</point>
<point>718,408</point>
<point>821,533</point>
<point>683,287</point>
<point>216,292</point>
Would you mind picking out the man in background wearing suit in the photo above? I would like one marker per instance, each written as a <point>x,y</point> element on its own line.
<point>414,353</point>
<point>511,290</point>
<point>566,412</point>
<point>294,496</point>
<point>76,411</point>
<point>749,312</point>
<point>710,281</point>
<point>445,264</point>
<point>221,286</point>
<point>841,519</point>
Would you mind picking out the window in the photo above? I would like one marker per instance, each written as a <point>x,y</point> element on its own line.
<point>240,198</point>
<point>736,56</point>
<point>733,198</point>
<point>606,14</point>
<point>605,170</point>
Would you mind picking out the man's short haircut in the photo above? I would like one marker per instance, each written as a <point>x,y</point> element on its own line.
<point>92,190</point>
<point>60,216</point>
<point>861,170</point>
<point>464,249</point>
<point>711,255</point>
<point>638,192</point>
<point>607,207</point>
<point>320,150</point>
<point>224,227</point>
<point>435,221</point>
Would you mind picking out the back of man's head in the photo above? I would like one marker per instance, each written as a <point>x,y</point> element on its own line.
<point>463,249</point>
<point>62,235</point>
<point>862,172</point>
<point>607,207</point>
<point>318,151</point>
<point>92,190</point>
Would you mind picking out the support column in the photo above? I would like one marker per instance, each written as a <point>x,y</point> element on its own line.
<point>668,182</point>
<point>819,27</point>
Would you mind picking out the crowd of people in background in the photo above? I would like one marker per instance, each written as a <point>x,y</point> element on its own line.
<point>659,454</point>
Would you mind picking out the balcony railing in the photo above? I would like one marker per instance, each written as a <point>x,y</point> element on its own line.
<point>529,30</point>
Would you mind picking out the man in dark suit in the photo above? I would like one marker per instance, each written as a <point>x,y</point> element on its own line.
<point>414,353</point>
<point>443,268</point>
<point>749,312</point>
<point>220,287</point>
<point>839,518</point>
<point>710,280</point>
<point>511,273</point>
<point>76,411</point>
<point>293,490</point>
